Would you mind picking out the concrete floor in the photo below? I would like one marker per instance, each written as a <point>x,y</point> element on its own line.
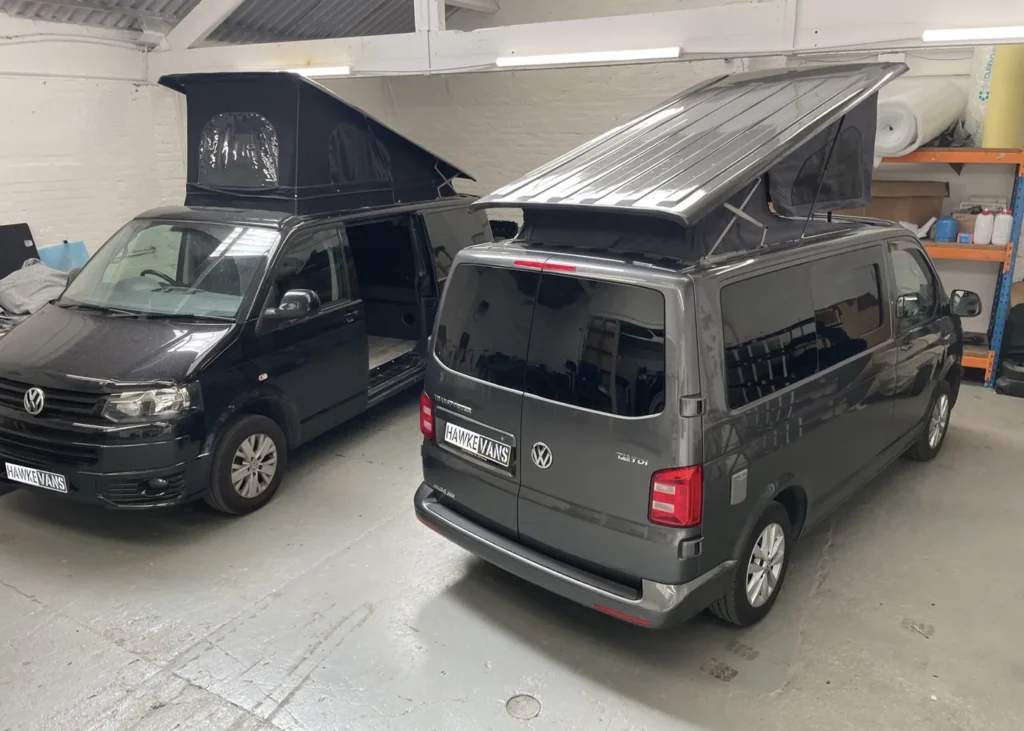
<point>334,609</point>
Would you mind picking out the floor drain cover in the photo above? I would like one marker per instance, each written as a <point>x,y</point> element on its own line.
<point>523,707</point>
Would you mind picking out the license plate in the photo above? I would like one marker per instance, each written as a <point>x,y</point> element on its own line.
<point>38,478</point>
<point>478,445</point>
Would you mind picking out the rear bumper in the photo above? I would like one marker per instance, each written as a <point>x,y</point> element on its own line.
<point>655,605</point>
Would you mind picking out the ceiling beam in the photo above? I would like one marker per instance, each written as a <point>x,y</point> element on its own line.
<point>430,15</point>
<point>481,6</point>
<point>200,23</point>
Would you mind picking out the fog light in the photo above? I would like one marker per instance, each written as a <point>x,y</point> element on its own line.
<point>156,486</point>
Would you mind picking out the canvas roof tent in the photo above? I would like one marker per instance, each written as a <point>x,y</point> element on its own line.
<point>279,141</point>
<point>743,140</point>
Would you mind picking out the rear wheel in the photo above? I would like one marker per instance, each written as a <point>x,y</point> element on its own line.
<point>936,424</point>
<point>760,572</point>
<point>248,465</point>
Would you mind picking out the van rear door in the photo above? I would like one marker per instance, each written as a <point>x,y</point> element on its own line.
<point>600,416</point>
<point>476,387</point>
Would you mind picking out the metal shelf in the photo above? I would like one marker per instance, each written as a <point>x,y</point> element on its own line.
<point>974,356</point>
<point>966,252</point>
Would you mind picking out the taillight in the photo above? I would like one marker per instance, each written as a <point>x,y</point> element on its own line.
<point>544,266</point>
<point>427,417</point>
<point>677,497</point>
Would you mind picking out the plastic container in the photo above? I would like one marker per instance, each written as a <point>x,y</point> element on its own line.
<point>983,226</point>
<point>946,229</point>
<point>1001,228</point>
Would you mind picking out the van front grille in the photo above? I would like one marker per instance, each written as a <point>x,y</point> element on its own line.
<point>59,402</point>
<point>41,451</point>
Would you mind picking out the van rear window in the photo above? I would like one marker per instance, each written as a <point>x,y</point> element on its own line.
<point>586,343</point>
<point>483,330</point>
<point>598,345</point>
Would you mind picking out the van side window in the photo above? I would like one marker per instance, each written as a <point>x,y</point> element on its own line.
<point>915,284</point>
<point>770,335</point>
<point>848,314</point>
<point>450,232</point>
<point>484,327</point>
<point>598,345</point>
<point>316,261</point>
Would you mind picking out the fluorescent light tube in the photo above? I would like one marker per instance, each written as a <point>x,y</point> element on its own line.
<point>558,59</point>
<point>1003,33</point>
<point>313,72</point>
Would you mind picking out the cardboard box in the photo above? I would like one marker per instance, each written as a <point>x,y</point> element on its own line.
<point>904,200</point>
<point>966,221</point>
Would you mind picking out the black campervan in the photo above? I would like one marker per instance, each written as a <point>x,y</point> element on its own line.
<point>295,289</point>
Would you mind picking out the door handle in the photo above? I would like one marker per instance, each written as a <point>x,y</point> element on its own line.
<point>906,346</point>
<point>350,318</point>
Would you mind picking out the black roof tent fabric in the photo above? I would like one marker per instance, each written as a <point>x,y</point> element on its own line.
<point>279,141</point>
<point>719,233</point>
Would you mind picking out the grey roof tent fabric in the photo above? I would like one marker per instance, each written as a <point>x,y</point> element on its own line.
<point>279,141</point>
<point>687,156</point>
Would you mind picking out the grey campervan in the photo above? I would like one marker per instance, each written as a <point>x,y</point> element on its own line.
<point>668,376</point>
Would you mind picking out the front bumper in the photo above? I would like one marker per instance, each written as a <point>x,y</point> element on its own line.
<point>655,605</point>
<point>117,476</point>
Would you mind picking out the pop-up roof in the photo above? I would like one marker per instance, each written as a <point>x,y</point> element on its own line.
<point>281,142</point>
<point>686,157</point>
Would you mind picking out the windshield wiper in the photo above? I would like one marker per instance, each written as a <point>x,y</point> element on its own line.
<point>190,316</point>
<point>113,311</point>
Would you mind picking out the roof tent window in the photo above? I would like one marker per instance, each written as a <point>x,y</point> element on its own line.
<point>239,150</point>
<point>357,155</point>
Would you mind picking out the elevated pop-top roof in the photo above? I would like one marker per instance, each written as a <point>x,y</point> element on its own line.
<point>689,155</point>
<point>279,141</point>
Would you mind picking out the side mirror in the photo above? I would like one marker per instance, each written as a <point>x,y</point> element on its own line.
<point>964,303</point>
<point>296,304</point>
<point>907,305</point>
<point>73,273</point>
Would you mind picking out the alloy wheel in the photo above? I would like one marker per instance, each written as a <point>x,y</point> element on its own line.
<point>939,421</point>
<point>764,569</point>
<point>254,465</point>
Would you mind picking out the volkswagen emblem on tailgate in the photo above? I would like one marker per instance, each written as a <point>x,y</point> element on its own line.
<point>34,401</point>
<point>541,455</point>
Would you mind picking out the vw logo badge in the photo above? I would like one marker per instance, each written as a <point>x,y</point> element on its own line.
<point>541,454</point>
<point>34,401</point>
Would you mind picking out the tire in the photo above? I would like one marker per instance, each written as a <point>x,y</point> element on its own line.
<point>926,448</point>
<point>254,491</point>
<point>735,607</point>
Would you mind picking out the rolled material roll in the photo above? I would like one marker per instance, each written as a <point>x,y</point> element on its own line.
<point>1004,121</point>
<point>979,89</point>
<point>914,111</point>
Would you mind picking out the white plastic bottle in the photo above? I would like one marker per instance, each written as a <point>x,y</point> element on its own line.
<point>1001,227</point>
<point>983,227</point>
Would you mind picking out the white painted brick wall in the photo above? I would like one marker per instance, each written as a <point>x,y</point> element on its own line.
<point>80,158</point>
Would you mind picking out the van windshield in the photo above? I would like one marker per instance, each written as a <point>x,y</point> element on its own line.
<point>173,269</point>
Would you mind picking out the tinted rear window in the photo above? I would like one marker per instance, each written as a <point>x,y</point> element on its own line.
<point>484,327</point>
<point>598,345</point>
<point>591,344</point>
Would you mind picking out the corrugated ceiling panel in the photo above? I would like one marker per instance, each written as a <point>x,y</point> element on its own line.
<point>254,21</point>
<point>686,156</point>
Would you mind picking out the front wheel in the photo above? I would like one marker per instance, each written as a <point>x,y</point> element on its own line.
<point>248,465</point>
<point>760,572</point>
<point>936,424</point>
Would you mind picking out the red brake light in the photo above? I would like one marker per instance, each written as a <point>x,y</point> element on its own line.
<point>544,266</point>
<point>677,497</point>
<point>427,417</point>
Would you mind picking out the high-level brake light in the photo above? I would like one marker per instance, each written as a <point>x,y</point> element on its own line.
<point>544,266</point>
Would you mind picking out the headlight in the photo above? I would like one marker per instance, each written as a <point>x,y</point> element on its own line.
<point>149,405</point>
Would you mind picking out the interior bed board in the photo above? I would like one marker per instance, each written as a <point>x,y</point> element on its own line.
<point>385,350</point>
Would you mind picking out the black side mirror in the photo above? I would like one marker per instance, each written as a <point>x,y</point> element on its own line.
<point>964,303</point>
<point>907,305</point>
<point>296,304</point>
<point>73,273</point>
